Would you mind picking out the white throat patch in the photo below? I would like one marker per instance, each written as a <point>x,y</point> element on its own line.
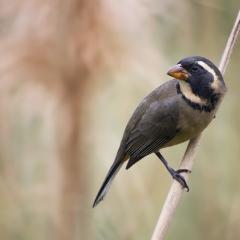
<point>187,92</point>
<point>216,83</point>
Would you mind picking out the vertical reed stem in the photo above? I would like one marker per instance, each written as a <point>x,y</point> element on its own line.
<point>175,192</point>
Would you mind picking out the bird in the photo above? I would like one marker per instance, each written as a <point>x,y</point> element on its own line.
<point>176,111</point>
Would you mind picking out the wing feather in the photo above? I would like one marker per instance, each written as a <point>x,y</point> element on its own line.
<point>146,149</point>
<point>153,123</point>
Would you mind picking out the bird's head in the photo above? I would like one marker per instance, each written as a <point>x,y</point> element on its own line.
<point>201,76</point>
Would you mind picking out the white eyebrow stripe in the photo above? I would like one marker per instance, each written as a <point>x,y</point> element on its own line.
<point>216,83</point>
<point>209,69</point>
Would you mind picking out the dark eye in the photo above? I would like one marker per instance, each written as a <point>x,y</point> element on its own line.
<point>194,68</point>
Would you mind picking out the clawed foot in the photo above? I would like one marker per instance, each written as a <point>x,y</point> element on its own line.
<point>177,176</point>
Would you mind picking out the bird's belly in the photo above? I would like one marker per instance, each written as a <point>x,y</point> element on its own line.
<point>192,124</point>
<point>181,137</point>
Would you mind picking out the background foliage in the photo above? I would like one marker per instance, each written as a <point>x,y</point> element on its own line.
<point>71,74</point>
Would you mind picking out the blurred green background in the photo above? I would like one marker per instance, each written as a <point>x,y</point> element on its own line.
<point>72,73</point>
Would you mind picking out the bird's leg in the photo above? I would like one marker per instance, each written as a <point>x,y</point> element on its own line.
<point>174,173</point>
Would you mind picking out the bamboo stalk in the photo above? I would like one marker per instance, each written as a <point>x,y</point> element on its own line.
<point>174,195</point>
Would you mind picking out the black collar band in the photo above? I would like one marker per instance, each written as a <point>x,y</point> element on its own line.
<point>212,101</point>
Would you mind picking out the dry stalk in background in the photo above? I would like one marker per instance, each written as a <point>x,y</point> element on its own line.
<point>175,192</point>
<point>52,51</point>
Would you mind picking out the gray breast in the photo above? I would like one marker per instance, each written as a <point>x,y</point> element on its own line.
<point>191,122</point>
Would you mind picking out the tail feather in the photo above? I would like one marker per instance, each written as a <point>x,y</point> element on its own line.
<point>107,181</point>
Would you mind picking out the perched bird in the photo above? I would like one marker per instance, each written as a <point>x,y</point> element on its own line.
<point>175,112</point>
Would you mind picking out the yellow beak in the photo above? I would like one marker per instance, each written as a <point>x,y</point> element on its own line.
<point>178,72</point>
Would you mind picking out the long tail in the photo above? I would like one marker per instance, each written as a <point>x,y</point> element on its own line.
<point>107,182</point>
